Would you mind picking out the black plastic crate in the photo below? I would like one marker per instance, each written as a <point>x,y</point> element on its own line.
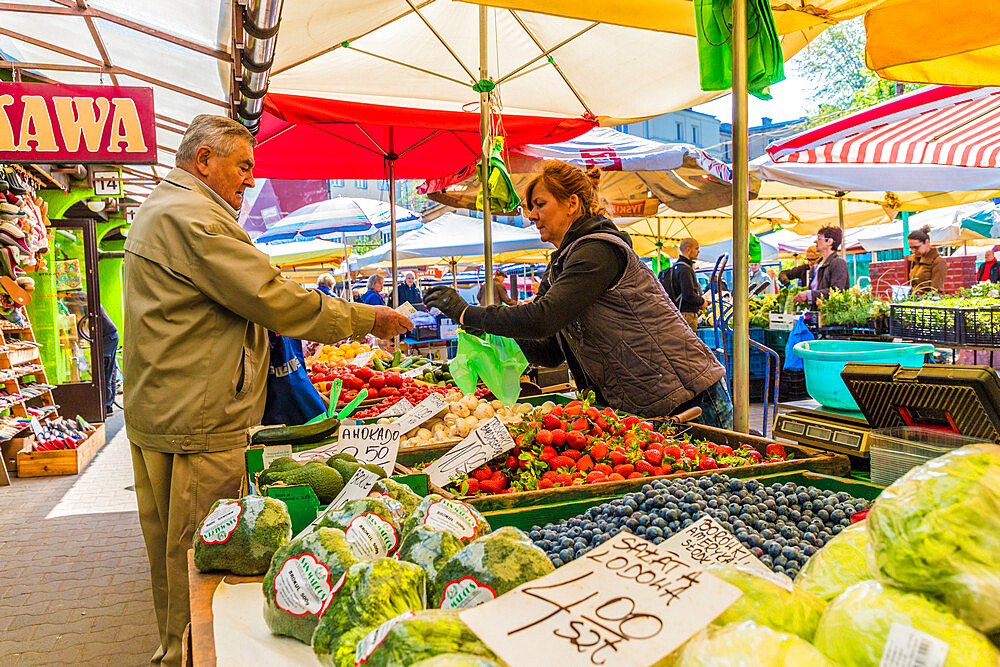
<point>980,326</point>
<point>792,386</point>
<point>932,324</point>
<point>425,332</point>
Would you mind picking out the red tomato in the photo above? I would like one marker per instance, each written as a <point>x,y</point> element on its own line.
<point>376,381</point>
<point>388,391</point>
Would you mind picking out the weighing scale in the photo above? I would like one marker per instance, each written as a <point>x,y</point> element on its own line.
<point>955,399</point>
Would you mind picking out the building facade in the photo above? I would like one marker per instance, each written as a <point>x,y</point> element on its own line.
<point>686,126</point>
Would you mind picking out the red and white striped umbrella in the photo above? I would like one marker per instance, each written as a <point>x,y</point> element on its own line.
<point>936,138</point>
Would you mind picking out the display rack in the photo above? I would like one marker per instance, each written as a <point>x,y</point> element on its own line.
<point>20,359</point>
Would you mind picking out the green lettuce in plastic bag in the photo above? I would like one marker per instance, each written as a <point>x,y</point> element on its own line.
<point>457,660</point>
<point>498,360</point>
<point>936,530</point>
<point>766,603</point>
<point>857,625</point>
<point>415,636</point>
<point>838,565</point>
<point>748,645</point>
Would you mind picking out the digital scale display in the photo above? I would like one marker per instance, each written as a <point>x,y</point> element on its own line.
<point>808,430</point>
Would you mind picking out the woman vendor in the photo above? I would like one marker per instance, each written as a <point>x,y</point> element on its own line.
<point>926,268</point>
<point>600,309</point>
<point>831,272</point>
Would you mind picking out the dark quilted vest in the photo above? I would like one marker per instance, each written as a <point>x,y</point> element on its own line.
<point>633,343</point>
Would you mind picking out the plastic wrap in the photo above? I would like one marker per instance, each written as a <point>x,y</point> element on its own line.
<point>838,565</point>
<point>241,536</point>
<point>371,594</point>
<point>458,660</point>
<point>430,549</point>
<point>418,636</point>
<point>937,530</point>
<point>371,527</point>
<point>452,516</point>
<point>488,568</point>
<point>399,497</point>
<point>766,603</point>
<point>304,576</point>
<point>747,644</point>
<point>856,627</point>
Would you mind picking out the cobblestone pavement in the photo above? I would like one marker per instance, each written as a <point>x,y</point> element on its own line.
<point>74,580</point>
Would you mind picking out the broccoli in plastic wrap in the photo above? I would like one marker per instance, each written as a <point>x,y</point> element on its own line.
<point>415,636</point>
<point>747,644</point>
<point>487,568</point>
<point>937,530</point>
<point>840,564</point>
<point>869,621</point>
<point>240,536</point>
<point>767,603</point>
<point>371,528</point>
<point>430,549</point>
<point>400,499</point>
<point>372,593</point>
<point>305,575</point>
<point>458,660</point>
<point>452,516</point>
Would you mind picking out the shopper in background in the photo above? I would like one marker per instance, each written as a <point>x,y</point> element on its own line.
<point>199,297</point>
<point>601,310</point>
<point>500,295</point>
<point>373,297</point>
<point>325,284</point>
<point>803,272</point>
<point>681,284</point>
<point>926,268</point>
<point>760,276</point>
<point>989,271</point>
<point>408,291</point>
<point>831,272</point>
<point>109,350</point>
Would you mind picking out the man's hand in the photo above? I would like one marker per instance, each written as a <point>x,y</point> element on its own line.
<point>801,297</point>
<point>389,323</point>
<point>447,300</point>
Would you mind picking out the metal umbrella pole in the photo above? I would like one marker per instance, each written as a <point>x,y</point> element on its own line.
<point>391,158</point>
<point>484,133</point>
<point>347,269</point>
<point>741,224</point>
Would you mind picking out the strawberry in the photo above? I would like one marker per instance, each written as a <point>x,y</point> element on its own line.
<point>496,475</point>
<point>543,437</point>
<point>673,451</point>
<point>470,487</point>
<point>599,450</point>
<point>549,475</point>
<point>644,467</point>
<point>482,474</point>
<point>654,456</point>
<point>658,470</point>
<point>576,439</point>
<point>723,449</point>
<point>592,413</point>
<point>601,423</point>
<point>666,468</point>
<point>775,450</point>
<point>574,454</point>
<point>625,469</point>
<point>490,486</point>
<point>756,457</point>
<point>615,477</point>
<point>548,453</point>
<point>604,468</point>
<point>596,477</point>
<point>512,462</point>
<point>584,463</point>
<point>635,475</point>
<point>618,458</point>
<point>563,478</point>
<point>707,463</point>
<point>557,462</point>
<point>551,422</point>
<point>559,438</point>
<point>546,484</point>
<point>581,424</point>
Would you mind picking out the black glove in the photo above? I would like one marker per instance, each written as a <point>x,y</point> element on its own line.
<point>447,300</point>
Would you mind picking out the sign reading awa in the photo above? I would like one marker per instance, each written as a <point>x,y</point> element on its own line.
<point>42,122</point>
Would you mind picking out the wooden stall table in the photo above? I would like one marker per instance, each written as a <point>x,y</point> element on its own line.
<point>202,590</point>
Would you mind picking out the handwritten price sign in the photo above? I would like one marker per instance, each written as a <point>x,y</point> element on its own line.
<point>626,602</point>
<point>487,442</point>
<point>368,443</point>
<point>421,412</point>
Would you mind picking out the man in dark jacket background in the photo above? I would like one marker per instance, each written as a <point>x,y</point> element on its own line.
<point>681,283</point>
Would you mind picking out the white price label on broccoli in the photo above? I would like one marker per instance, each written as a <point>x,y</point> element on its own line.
<point>400,407</point>
<point>421,412</point>
<point>370,443</point>
<point>625,602</point>
<point>488,441</point>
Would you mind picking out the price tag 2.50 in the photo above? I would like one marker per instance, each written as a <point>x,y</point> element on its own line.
<point>623,603</point>
<point>488,441</point>
<point>370,443</point>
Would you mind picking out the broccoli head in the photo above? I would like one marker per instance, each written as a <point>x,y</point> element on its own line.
<point>457,660</point>
<point>372,593</point>
<point>487,568</point>
<point>241,536</point>
<point>452,516</point>
<point>430,549</point>
<point>417,636</point>
<point>400,499</point>
<point>372,529</point>
<point>305,575</point>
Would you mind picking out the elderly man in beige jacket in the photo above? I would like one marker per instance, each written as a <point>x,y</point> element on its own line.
<point>198,300</point>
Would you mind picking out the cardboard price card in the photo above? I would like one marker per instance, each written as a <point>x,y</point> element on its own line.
<point>400,407</point>
<point>706,542</point>
<point>421,412</point>
<point>370,443</point>
<point>363,359</point>
<point>623,603</point>
<point>488,441</point>
<point>406,309</point>
<point>358,486</point>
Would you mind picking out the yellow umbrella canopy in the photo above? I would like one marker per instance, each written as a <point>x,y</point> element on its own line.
<point>958,44</point>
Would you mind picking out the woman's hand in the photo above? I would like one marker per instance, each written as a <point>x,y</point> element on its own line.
<point>447,300</point>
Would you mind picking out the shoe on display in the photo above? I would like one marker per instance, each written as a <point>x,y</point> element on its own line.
<point>9,240</point>
<point>15,185</point>
<point>11,209</point>
<point>11,228</point>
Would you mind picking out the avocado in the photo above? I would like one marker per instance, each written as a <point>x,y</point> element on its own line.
<point>326,482</point>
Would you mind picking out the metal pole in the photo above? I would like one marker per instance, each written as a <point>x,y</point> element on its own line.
<point>905,215</point>
<point>484,170</point>
<point>347,269</point>
<point>840,218</point>
<point>741,225</point>
<point>391,158</point>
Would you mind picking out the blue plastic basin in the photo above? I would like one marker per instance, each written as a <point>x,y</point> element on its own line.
<point>823,360</point>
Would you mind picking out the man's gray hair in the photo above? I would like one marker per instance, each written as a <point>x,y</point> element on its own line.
<point>219,133</point>
<point>326,280</point>
<point>372,279</point>
<point>687,244</point>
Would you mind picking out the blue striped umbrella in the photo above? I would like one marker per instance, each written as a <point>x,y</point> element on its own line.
<point>335,218</point>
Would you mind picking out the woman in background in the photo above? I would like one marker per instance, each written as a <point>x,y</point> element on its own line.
<point>926,267</point>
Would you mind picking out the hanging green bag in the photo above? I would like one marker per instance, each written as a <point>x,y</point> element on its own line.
<point>496,359</point>
<point>765,63</point>
<point>503,196</point>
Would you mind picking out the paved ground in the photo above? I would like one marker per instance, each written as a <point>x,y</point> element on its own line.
<point>74,581</point>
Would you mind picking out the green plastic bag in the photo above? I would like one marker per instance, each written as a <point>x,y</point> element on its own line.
<point>503,196</point>
<point>496,359</point>
<point>765,65</point>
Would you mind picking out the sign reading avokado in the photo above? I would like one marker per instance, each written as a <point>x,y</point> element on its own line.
<point>42,122</point>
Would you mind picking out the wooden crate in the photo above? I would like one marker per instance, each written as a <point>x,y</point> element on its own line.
<point>805,459</point>
<point>61,461</point>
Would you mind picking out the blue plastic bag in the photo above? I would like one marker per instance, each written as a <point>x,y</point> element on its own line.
<point>799,333</point>
<point>291,397</point>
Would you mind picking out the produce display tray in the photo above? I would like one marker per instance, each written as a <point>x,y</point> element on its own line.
<point>931,324</point>
<point>806,459</point>
<point>61,461</point>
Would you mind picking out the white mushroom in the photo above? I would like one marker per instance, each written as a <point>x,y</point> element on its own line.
<point>497,404</point>
<point>484,411</point>
<point>547,407</point>
<point>461,409</point>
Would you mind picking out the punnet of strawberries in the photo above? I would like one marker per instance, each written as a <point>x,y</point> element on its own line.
<point>581,444</point>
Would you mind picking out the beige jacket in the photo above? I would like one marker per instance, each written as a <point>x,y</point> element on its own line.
<point>198,298</point>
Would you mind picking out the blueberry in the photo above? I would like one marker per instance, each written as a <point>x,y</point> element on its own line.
<point>566,555</point>
<point>653,532</point>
